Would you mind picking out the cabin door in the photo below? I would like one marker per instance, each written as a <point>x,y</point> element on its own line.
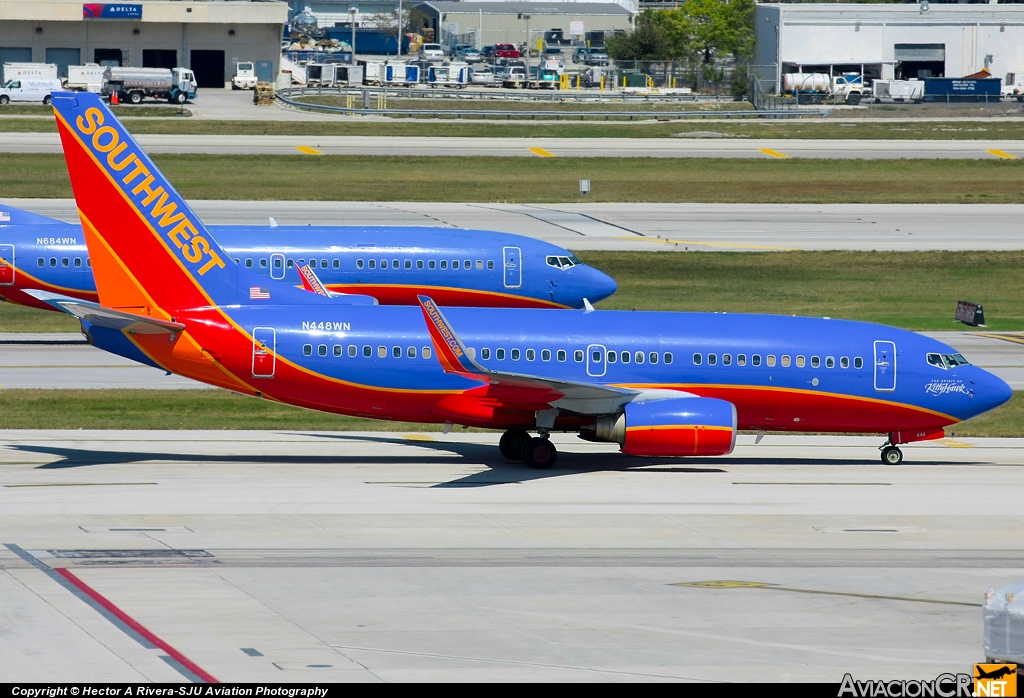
<point>885,365</point>
<point>277,266</point>
<point>6,265</point>
<point>513,267</point>
<point>264,347</point>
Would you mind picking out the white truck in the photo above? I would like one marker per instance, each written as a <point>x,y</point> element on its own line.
<point>245,76</point>
<point>898,90</point>
<point>1013,86</point>
<point>42,71</point>
<point>815,88</point>
<point>85,78</point>
<point>135,84</point>
<point>29,90</point>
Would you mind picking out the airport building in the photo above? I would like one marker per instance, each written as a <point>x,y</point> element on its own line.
<point>208,36</point>
<point>888,41</point>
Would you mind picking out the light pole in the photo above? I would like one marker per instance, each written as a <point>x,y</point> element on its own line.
<point>352,11</point>
<point>398,51</point>
<point>523,15</point>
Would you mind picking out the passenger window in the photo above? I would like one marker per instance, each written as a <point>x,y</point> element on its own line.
<point>65,262</point>
<point>430,264</point>
<point>411,352</point>
<point>755,360</point>
<point>467,265</point>
<point>726,359</point>
<point>263,264</point>
<point>301,262</point>
<point>88,262</point>
<point>337,350</point>
<point>382,352</point>
<point>698,359</point>
<point>858,362</point>
<point>277,264</point>
<point>455,264</point>
<point>394,264</point>
<point>639,357</point>
<point>425,353</point>
<point>485,354</point>
<point>625,357</point>
<point>668,357</point>
<point>336,264</point>
<point>653,357</point>
<point>479,264</point>
<point>307,349</point>
<point>515,355</point>
<point>531,355</point>
<point>815,361</point>
<point>578,356</point>
<point>786,360</point>
<point>359,264</point>
<point>545,355</point>
<point>712,359</point>
<point>41,262</point>
<point>237,260</point>
<point>78,262</point>
<point>367,350</point>
<point>248,264</point>
<point>800,362</point>
<point>352,350</point>
<point>490,264</point>
<point>596,356</point>
<point>444,264</point>
<point>383,264</point>
<point>560,355</point>
<point>741,359</point>
<point>323,263</point>
<point>936,360</point>
<point>830,362</point>
<point>770,359</point>
<point>612,356</point>
<point>419,262</point>
<point>291,263</point>
<point>396,352</point>
<point>372,263</point>
<point>499,354</point>
<point>322,350</point>
<point>53,261</point>
<point>844,362</point>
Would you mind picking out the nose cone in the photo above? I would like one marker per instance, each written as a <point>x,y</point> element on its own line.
<point>599,285</point>
<point>990,391</point>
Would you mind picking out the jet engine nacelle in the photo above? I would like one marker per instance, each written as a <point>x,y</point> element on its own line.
<point>691,426</point>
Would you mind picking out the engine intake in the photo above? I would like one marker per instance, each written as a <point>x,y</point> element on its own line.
<point>692,426</point>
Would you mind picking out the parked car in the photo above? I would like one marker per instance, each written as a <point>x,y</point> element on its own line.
<point>596,56</point>
<point>552,53</point>
<point>483,76</point>
<point>487,53</point>
<point>506,51</point>
<point>453,50</point>
<point>29,90</point>
<point>515,77</point>
<point>432,52</point>
<point>469,54</point>
<point>580,54</point>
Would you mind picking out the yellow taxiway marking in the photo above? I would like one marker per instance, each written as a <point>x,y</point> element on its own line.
<point>1016,338</point>
<point>953,443</point>
<point>774,153</point>
<point>733,584</point>
<point>307,150</point>
<point>543,153</point>
<point>673,241</point>
<point>1002,154</point>
<point>418,437</point>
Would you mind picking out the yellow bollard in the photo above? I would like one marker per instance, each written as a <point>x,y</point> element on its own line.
<point>602,83</point>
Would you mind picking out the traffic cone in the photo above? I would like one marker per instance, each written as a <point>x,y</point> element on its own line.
<point>113,98</point>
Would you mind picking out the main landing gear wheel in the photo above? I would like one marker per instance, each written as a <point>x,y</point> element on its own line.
<point>539,454</point>
<point>892,455</point>
<point>512,443</point>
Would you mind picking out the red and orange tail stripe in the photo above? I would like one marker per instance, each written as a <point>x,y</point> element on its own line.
<point>450,352</point>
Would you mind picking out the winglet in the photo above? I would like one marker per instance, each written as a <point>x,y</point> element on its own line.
<point>311,282</point>
<point>451,352</point>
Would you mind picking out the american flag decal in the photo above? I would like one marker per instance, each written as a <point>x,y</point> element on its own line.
<point>5,217</point>
<point>259,293</point>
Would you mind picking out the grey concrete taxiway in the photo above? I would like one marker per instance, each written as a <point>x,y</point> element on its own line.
<point>59,361</point>
<point>409,146</point>
<point>316,557</point>
<point>649,227</point>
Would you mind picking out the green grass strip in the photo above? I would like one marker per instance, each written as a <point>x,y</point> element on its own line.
<point>220,409</point>
<point>553,180</point>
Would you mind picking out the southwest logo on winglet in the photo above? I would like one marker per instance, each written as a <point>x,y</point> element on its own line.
<point>442,328</point>
<point>136,181</point>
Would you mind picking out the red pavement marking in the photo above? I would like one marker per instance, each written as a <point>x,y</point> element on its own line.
<point>135,625</point>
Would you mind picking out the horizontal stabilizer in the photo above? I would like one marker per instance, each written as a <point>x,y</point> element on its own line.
<point>96,314</point>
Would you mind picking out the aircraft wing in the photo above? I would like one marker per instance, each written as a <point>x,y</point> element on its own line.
<point>570,396</point>
<point>96,314</point>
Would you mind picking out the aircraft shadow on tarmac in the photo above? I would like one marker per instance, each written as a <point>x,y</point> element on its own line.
<point>500,471</point>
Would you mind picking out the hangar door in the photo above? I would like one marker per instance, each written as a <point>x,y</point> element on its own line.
<point>208,67</point>
<point>13,55</point>
<point>159,58</point>
<point>919,61</point>
<point>63,57</point>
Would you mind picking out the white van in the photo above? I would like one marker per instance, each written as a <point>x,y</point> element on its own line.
<point>29,90</point>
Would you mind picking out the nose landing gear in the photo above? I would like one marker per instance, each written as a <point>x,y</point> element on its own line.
<point>891,455</point>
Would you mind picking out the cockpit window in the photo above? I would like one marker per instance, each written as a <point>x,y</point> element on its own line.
<point>936,360</point>
<point>954,360</point>
<point>562,262</point>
